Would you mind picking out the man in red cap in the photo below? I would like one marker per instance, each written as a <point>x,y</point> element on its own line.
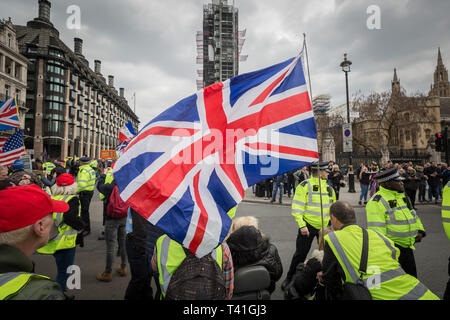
<point>25,225</point>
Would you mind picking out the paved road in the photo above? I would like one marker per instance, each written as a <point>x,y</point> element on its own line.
<point>276,221</point>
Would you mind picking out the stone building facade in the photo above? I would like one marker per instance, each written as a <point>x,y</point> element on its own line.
<point>406,129</point>
<point>73,111</point>
<point>13,71</point>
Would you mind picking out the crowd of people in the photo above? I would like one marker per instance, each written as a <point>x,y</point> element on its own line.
<point>51,216</point>
<point>423,183</point>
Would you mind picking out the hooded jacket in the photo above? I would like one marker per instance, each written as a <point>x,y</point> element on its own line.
<point>249,247</point>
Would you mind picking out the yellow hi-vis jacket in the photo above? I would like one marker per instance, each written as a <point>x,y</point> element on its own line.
<point>446,209</point>
<point>48,167</point>
<point>385,278</point>
<point>306,203</point>
<point>170,255</point>
<point>108,179</point>
<point>11,283</point>
<point>86,178</point>
<point>67,236</point>
<point>390,213</point>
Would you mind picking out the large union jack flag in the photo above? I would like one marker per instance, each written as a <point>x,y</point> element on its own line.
<point>190,165</point>
<point>9,117</point>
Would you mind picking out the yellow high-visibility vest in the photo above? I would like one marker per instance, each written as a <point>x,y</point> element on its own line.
<point>306,205</point>
<point>385,278</point>
<point>170,255</point>
<point>67,236</point>
<point>388,213</point>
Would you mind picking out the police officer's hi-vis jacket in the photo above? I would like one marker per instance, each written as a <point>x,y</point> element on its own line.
<point>446,209</point>
<point>390,213</point>
<point>306,203</point>
<point>86,178</point>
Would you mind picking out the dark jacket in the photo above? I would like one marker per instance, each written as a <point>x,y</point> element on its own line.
<point>71,217</point>
<point>335,177</point>
<point>432,180</point>
<point>106,189</point>
<point>411,181</point>
<point>13,260</point>
<point>282,178</point>
<point>249,247</point>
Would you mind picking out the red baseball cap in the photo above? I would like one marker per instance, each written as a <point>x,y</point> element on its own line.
<point>64,180</point>
<point>22,206</point>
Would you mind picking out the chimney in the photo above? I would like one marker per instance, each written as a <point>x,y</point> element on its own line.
<point>111,81</point>
<point>44,10</point>
<point>78,46</point>
<point>98,66</point>
<point>122,92</point>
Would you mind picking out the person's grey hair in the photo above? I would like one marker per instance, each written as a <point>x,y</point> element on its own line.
<point>343,211</point>
<point>67,190</point>
<point>15,237</point>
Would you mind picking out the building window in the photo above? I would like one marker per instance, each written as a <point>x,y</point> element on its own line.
<point>56,53</point>
<point>9,40</point>
<point>427,133</point>
<point>7,90</point>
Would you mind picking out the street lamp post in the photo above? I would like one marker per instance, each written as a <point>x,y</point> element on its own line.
<point>345,65</point>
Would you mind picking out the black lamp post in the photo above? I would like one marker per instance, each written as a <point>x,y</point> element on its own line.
<point>345,65</point>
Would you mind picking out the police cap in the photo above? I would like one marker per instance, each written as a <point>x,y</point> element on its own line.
<point>323,165</point>
<point>388,175</point>
<point>85,159</point>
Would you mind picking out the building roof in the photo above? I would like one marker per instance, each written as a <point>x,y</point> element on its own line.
<point>43,35</point>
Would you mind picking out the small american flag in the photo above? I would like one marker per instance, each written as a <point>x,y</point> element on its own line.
<point>11,149</point>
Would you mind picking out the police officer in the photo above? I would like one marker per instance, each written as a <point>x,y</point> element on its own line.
<point>48,167</point>
<point>306,209</point>
<point>86,184</point>
<point>384,277</point>
<point>391,213</point>
<point>446,225</point>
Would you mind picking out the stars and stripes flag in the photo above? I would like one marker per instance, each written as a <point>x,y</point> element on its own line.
<point>12,149</point>
<point>127,132</point>
<point>190,165</point>
<point>9,116</point>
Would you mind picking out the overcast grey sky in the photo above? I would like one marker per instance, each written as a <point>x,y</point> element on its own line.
<point>149,46</point>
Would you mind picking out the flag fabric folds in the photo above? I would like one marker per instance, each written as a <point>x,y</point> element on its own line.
<point>120,148</point>
<point>126,133</point>
<point>190,165</point>
<point>12,149</point>
<point>9,116</point>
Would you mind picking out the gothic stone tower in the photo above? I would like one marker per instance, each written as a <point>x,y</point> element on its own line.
<point>441,86</point>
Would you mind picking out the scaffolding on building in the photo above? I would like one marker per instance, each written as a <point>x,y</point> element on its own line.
<point>321,102</point>
<point>219,45</point>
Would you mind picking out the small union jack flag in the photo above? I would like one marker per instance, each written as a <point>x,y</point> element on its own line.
<point>191,164</point>
<point>9,117</point>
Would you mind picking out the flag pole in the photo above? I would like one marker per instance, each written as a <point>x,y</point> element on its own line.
<point>318,160</point>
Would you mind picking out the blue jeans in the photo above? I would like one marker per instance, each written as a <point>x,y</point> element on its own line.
<point>364,190</point>
<point>433,192</point>
<point>64,259</point>
<point>115,231</point>
<point>276,186</point>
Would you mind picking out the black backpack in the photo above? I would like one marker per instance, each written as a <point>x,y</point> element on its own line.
<point>358,290</point>
<point>197,279</point>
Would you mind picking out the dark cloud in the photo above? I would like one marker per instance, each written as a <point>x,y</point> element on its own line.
<point>149,46</point>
